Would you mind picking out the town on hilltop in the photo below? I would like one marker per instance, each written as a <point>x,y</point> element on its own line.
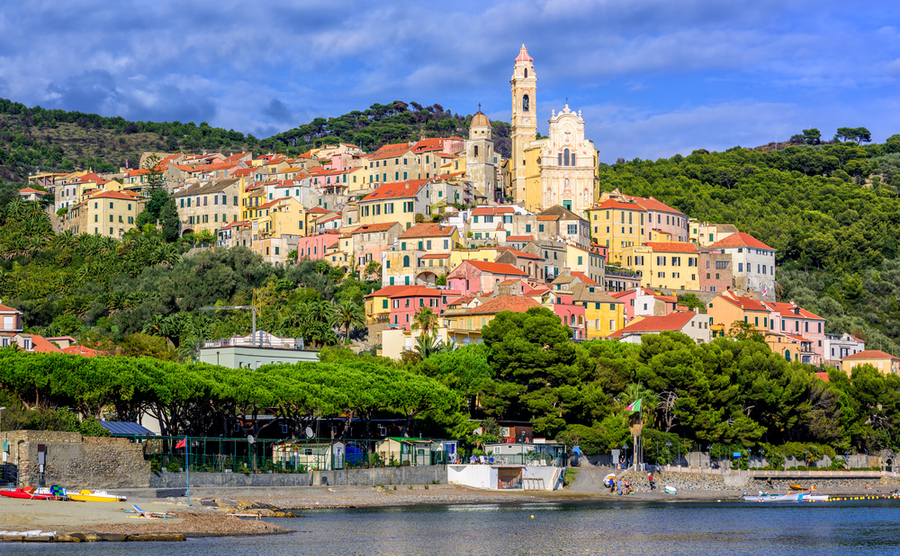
<point>449,225</point>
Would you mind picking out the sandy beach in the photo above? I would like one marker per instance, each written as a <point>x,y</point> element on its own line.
<point>207,515</point>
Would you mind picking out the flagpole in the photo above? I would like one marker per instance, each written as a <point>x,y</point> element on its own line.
<point>187,463</point>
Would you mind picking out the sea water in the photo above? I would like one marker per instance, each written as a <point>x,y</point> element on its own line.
<point>713,528</point>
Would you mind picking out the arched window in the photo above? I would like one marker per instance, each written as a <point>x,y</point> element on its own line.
<point>526,73</point>
<point>526,103</point>
<point>787,354</point>
<point>476,151</point>
<point>566,157</point>
<point>405,261</point>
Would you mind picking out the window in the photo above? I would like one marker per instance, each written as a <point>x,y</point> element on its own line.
<point>740,267</point>
<point>110,204</point>
<point>526,103</point>
<point>573,229</point>
<point>405,261</point>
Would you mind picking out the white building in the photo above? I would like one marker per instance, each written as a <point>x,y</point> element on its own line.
<point>838,346</point>
<point>752,263</point>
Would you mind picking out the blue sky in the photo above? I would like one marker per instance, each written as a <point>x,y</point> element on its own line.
<point>652,77</point>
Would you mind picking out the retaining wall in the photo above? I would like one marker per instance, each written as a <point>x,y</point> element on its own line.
<point>405,475</point>
<point>74,461</point>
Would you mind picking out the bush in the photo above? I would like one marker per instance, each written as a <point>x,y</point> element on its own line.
<point>173,467</point>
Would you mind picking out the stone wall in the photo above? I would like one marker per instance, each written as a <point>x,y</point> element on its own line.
<point>739,483</point>
<point>73,461</point>
<point>405,475</point>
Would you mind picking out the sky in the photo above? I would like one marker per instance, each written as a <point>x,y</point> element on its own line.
<point>652,78</point>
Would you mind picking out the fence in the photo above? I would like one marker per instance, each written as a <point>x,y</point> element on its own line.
<point>238,455</point>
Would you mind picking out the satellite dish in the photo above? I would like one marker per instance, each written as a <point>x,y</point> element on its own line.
<point>250,439</point>
<point>309,432</point>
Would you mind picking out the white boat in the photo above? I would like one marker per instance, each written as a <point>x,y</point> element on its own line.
<point>792,497</point>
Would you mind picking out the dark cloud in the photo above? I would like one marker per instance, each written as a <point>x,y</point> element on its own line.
<point>93,91</point>
<point>278,111</point>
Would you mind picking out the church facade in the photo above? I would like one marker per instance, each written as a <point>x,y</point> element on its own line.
<point>559,169</point>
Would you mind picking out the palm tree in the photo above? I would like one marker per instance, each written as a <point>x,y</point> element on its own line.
<point>426,346</point>
<point>425,320</point>
<point>348,315</point>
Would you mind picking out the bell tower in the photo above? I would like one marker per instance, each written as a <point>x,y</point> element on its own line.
<point>524,119</point>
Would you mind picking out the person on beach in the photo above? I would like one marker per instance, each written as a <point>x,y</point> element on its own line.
<point>650,480</point>
<point>621,462</point>
<point>619,487</point>
<point>627,485</point>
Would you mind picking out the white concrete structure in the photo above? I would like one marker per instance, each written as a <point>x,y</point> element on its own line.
<point>752,263</point>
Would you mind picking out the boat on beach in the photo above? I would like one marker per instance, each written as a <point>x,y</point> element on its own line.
<point>791,497</point>
<point>96,496</point>
<point>30,493</point>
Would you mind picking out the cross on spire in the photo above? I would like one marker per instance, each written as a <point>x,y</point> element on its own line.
<point>479,107</point>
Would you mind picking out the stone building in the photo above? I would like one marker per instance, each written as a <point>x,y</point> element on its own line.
<point>481,161</point>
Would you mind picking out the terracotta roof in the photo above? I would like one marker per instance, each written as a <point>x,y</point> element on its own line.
<point>547,217</point>
<point>435,256</point>
<point>740,239</point>
<point>5,309</point>
<point>488,211</point>
<point>480,120</point>
<point>520,254</point>
<point>113,195</point>
<point>431,144</point>
<point>495,268</point>
<point>406,291</point>
<point>242,172</point>
<point>396,190</point>
<point>514,303</point>
<point>581,276</point>
<point>871,354</point>
<point>620,205</point>
<point>389,154</point>
<point>746,303</point>
<point>672,321</point>
<point>671,246</point>
<point>380,227</point>
<point>650,203</point>
<point>523,55</point>
<point>787,310</point>
<point>30,190</point>
<point>428,230</point>
<point>519,238</point>
<point>41,345</point>
<point>81,350</point>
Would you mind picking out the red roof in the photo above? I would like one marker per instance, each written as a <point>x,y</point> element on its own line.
<point>523,55</point>
<point>492,210</point>
<point>519,238</point>
<point>389,154</point>
<point>496,268</point>
<point>242,172</point>
<point>787,310</point>
<point>520,254</point>
<point>740,239</point>
<point>672,321</point>
<point>435,256</point>
<point>41,345</point>
<point>81,350</point>
<point>650,203</point>
<point>584,279</point>
<point>617,204</point>
<point>113,195</point>
<point>5,309</point>
<point>428,230</point>
<point>871,354</point>
<point>671,246</point>
<point>407,291</point>
<point>396,190</point>
<point>380,227</point>
<point>29,191</point>
<point>746,303</point>
<point>514,303</point>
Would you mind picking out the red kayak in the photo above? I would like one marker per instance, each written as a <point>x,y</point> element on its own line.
<point>27,493</point>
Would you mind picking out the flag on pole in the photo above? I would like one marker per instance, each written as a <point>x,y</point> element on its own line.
<point>635,406</point>
<point>181,444</point>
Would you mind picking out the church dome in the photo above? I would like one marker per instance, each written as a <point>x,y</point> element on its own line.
<point>523,55</point>
<point>480,120</point>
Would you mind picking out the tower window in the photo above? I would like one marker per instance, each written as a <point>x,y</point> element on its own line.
<point>526,103</point>
<point>476,150</point>
<point>566,157</point>
<point>526,73</point>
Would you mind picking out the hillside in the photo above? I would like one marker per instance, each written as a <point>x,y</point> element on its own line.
<point>831,211</point>
<point>33,139</point>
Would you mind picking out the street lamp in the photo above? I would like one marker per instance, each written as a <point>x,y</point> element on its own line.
<point>668,455</point>
<point>625,453</point>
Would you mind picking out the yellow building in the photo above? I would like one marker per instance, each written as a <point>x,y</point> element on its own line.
<point>464,327</point>
<point>108,213</point>
<point>396,202</point>
<point>603,313</point>
<point>728,308</point>
<point>590,264</point>
<point>670,265</point>
<point>485,254</point>
<point>616,224</point>
<point>884,362</point>
<point>285,216</point>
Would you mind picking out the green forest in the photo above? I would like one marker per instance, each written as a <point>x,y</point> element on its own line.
<point>36,139</point>
<point>832,212</point>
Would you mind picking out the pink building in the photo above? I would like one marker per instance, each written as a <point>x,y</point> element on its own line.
<point>570,313</point>
<point>406,301</point>
<point>790,318</point>
<point>313,247</point>
<point>480,276</point>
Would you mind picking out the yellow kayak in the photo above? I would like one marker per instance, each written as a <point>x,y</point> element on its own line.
<point>96,496</point>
